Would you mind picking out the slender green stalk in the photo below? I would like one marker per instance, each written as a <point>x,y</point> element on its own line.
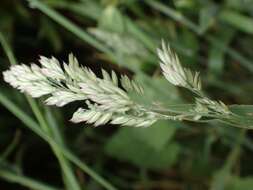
<point>173,14</point>
<point>7,49</point>
<point>234,54</point>
<point>59,150</point>
<point>24,181</point>
<point>71,181</point>
<point>180,18</point>
<point>134,29</point>
<point>71,27</point>
<point>12,146</point>
<point>23,117</point>
<point>32,125</point>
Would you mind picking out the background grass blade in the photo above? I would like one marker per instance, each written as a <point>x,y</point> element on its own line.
<point>212,37</point>
<point>181,19</point>
<point>70,26</point>
<point>32,125</point>
<point>69,176</point>
<point>15,177</point>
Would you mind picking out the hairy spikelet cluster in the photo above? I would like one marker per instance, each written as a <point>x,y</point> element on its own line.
<point>174,72</point>
<point>50,79</point>
<point>177,75</point>
<point>217,107</point>
<point>107,99</point>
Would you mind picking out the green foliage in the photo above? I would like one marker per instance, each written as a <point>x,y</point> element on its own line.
<point>240,183</point>
<point>239,21</point>
<point>213,37</point>
<point>159,153</point>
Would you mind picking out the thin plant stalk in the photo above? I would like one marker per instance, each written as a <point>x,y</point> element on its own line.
<point>69,179</point>
<point>34,126</point>
<point>71,27</point>
<point>180,18</point>
<point>25,181</point>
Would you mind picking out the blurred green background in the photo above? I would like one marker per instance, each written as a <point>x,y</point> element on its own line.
<point>41,150</point>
